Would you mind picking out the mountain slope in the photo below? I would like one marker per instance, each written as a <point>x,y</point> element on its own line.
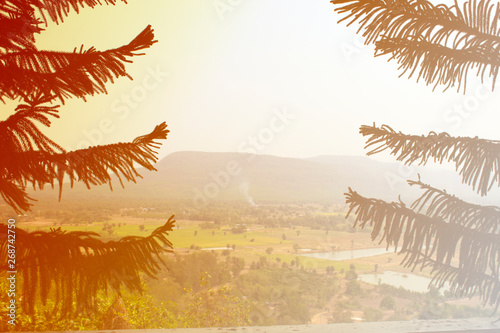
<point>200,177</point>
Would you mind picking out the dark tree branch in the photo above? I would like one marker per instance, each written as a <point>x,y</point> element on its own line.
<point>441,42</point>
<point>476,160</point>
<point>64,75</point>
<point>75,265</point>
<point>433,241</point>
<point>436,203</point>
<point>92,166</point>
<point>20,133</point>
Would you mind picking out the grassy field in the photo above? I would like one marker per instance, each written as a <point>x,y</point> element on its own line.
<point>250,245</point>
<point>187,233</point>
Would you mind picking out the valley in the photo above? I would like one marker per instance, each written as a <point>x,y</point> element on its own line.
<point>264,255</point>
<point>256,238</point>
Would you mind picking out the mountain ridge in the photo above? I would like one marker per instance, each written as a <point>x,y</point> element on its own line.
<point>201,177</point>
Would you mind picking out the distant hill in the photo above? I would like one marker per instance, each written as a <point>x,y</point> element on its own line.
<point>200,177</point>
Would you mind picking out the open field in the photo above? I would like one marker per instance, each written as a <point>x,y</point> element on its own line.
<point>268,251</point>
<point>249,245</point>
<point>183,234</point>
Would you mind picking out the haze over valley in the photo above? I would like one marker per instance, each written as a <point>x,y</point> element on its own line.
<point>204,177</point>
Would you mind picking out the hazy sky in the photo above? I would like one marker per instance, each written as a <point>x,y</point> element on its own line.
<point>272,76</point>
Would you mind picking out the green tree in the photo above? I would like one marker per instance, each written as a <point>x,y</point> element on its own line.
<point>351,275</point>
<point>128,311</point>
<point>79,264</point>
<point>439,44</point>
<point>236,265</point>
<point>143,312</point>
<point>340,315</point>
<point>388,302</point>
<point>372,314</point>
<point>216,307</point>
<point>353,288</point>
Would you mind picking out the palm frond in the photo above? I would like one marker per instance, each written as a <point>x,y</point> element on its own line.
<point>19,132</point>
<point>18,21</point>
<point>15,196</point>
<point>465,283</point>
<point>17,33</point>
<point>73,266</point>
<point>393,221</point>
<point>63,75</point>
<point>441,42</point>
<point>439,64</point>
<point>18,24</point>
<point>433,241</point>
<point>476,160</point>
<point>92,166</point>
<point>435,202</point>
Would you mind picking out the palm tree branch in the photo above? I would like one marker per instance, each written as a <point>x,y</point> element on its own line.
<point>20,133</point>
<point>426,237</point>
<point>476,160</point>
<point>440,64</point>
<point>397,18</point>
<point>92,165</point>
<point>64,75</point>
<point>18,31</point>
<point>434,202</point>
<point>75,265</point>
<point>472,30</point>
<point>18,22</point>
<point>464,282</point>
<point>15,196</point>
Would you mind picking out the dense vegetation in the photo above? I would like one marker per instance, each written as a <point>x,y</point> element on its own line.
<point>256,277</point>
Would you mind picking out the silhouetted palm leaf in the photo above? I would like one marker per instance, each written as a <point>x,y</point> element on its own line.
<point>73,266</point>
<point>476,160</point>
<point>436,241</point>
<point>18,25</point>
<point>69,267</point>
<point>19,132</point>
<point>92,166</point>
<point>442,43</point>
<point>65,75</point>
<point>436,202</point>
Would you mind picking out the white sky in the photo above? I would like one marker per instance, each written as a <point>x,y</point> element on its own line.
<point>229,73</point>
